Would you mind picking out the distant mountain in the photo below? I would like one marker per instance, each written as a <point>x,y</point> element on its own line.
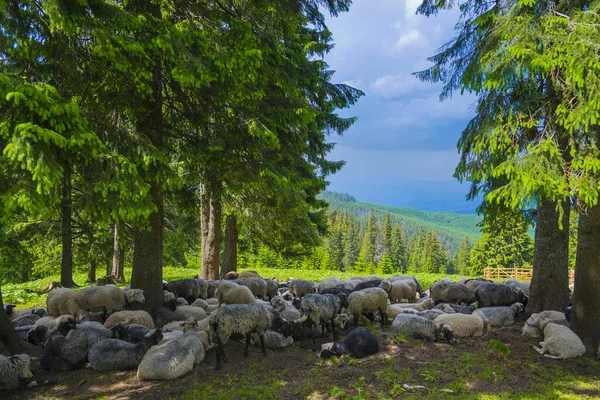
<point>452,228</point>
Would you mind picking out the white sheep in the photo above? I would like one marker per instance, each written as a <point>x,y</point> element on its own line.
<point>62,301</point>
<point>400,290</point>
<point>14,370</point>
<point>107,298</point>
<point>465,325</point>
<point>560,342</point>
<point>139,317</point>
<point>531,329</point>
<point>368,300</point>
<point>191,311</point>
<point>232,293</point>
<point>329,283</point>
<point>395,309</point>
<point>286,311</point>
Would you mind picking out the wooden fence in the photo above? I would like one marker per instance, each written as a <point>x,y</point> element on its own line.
<point>522,274</point>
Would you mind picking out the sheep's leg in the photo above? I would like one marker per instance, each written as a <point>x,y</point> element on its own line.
<point>553,357</point>
<point>262,344</point>
<point>541,351</point>
<point>382,317</point>
<point>247,345</point>
<point>333,328</point>
<point>323,323</point>
<point>219,352</point>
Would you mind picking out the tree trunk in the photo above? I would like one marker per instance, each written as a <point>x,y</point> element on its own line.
<point>550,280</point>
<point>91,275</point>
<point>230,247</point>
<point>118,256</point>
<point>204,223</point>
<point>211,253</point>
<point>66,267</point>
<point>585,315</point>
<point>8,337</point>
<point>148,257</point>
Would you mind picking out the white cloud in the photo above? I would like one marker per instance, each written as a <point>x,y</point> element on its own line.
<point>411,37</point>
<point>391,87</point>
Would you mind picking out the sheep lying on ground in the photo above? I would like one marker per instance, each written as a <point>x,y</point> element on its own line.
<point>62,301</point>
<point>273,340</point>
<point>186,312</point>
<point>132,333</point>
<point>367,301</point>
<point>422,328</point>
<point>212,288</point>
<point>300,288</point>
<point>450,308</point>
<point>450,292</point>
<point>166,313</point>
<point>319,309</point>
<point>525,287</point>
<point>464,325</point>
<point>131,317</point>
<point>244,319</point>
<point>108,298</point>
<point>559,342</point>
<point>395,309</point>
<point>14,371</point>
<point>14,313</point>
<point>52,356</point>
<point>115,354</point>
<point>400,290</point>
<point>79,342</point>
<point>359,343</point>
<point>231,293</point>
<point>531,328</point>
<point>492,294</point>
<point>431,314</point>
<point>501,316</point>
<point>25,320</point>
<point>286,311</point>
<point>249,274</point>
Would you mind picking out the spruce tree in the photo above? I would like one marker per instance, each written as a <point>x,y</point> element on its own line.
<point>463,258</point>
<point>369,243</point>
<point>387,233</point>
<point>398,253</point>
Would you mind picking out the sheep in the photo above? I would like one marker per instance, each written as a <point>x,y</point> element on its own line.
<point>172,359</point>
<point>531,329</point>
<point>492,294</point>
<point>395,309</point>
<point>48,322</point>
<point>431,314</point>
<point>474,283</point>
<point>286,311</point>
<point>272,288</point>
<point>166,313</point>
<point>168,296</point>
<point>86,316</point>
<point>182,302</point>
<point>358,343</point>
<point>212,287</point>
<point>190,311</point>
<point>328,283</point>
<point>115,354</point>
<point>450,292</point>
<point>132,333</point>
<point>560,342</point>
<point>52,357</point>
<point>400,290</point>
<point>37,335</point>
<point>501,316</point>
<point>257,286</point>
<point>407,277</point>
<point>318,309</point>
<point>249,274</point>
<point>450,308</point>
<point>79,342</point>
<point>525,287</point>
<point>14,313</point>
<point>368,300</point>
<point>189,289</point>
<point>464,325</point>
<point>132,317</point>
<point>244,319</point>
<point>300,288</point>
<point>422,328</point>
<point>349,284</point>
<point>232,293</point>
<point>62,301</point>
<point>200,303</point>
<point>25,320</point>
<point>273,340</point>
<point>337,290</point>
<point>14,371</point>
<point>108,298</point>
<point>368,284</point>
<point>23,331</point>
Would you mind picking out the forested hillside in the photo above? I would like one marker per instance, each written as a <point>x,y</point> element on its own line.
<point>452,228</point>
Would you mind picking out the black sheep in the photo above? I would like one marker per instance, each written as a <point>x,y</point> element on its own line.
<point>368,284</point>
<point>358,343</point>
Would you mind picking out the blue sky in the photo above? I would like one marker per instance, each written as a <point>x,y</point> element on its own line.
<point>402,150</point>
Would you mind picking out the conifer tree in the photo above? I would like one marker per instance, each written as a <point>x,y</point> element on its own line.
<point>463,258</point>
<point>398,253</point>
<point>369,243</point>
<point>387,233</point>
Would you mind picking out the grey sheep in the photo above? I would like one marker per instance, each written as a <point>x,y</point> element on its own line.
<point>400,290</point>
<point>132,333</point>
<point>329,283</point>
<point>474,283</point>
<point>319,309</point>
<point>257,286</point>
<point>395,309</point>
<point>212,288</point>
<point>52,357</point>
<point>367,301</point>
<point>431,314</point>
<point>272,288</point>
<point>422,328</point>
<point>273,340</point>
<point>244,319</point>
<point>451,292</point>
<point>525,287</point>
<point>172,359</point>
<point>14,313</point>
<point>337,290</point>
<point>231,293</point>
<point>368,284</point>
<point>501,316</point>
<point>286,311</point>
<point>300,287</point>
<point>25,320</point>
<point>166,313</point>
<point>62,301</point>
<point>408,277</point>
<point>451,308</point>
<point>115,354</point>
<point>131,317</point>
<point>79,342</point>
<point>189,289</point>
<point>492,294</point>
<point>14,371</point>
<point>108,298</point>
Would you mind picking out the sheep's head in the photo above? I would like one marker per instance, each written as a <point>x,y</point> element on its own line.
<point>120,330</point>
<point>66,325</point>
<point>297,302</point>
<point>8,309</point>
<point>445,332</point>
<point>82,316</point>
<point>521,296</point>
<point>428,303</point>
<point>153,337</point>
<point>518,308</point>
<point>39,311</point>
<point>280,325</point>
<point>327,351</point>
<point>200,303</point>
<point>278,302</point>
<point>182,302</point>
<point>135,296</point>
<point>342,319</point>
<point>385,285</point>
<point>37,336</point>
<point>343,300</point>
<point>190,324</point>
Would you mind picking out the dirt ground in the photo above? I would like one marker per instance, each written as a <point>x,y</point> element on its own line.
<point>404,368</point>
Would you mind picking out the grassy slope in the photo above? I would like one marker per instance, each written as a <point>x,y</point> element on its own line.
<point>452,227</point>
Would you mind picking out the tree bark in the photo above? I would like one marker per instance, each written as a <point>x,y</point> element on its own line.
<point>118,256</point>
<point>91,275</point>
<point>585,314</point>
<point>550,280</point>
<point>66,266</point>
<point>211,253</point>
<point>9,338</point>
<point>204,223</point>
<point>230,247</point>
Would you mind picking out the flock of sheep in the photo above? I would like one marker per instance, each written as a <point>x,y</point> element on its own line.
<point>94,327</point>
